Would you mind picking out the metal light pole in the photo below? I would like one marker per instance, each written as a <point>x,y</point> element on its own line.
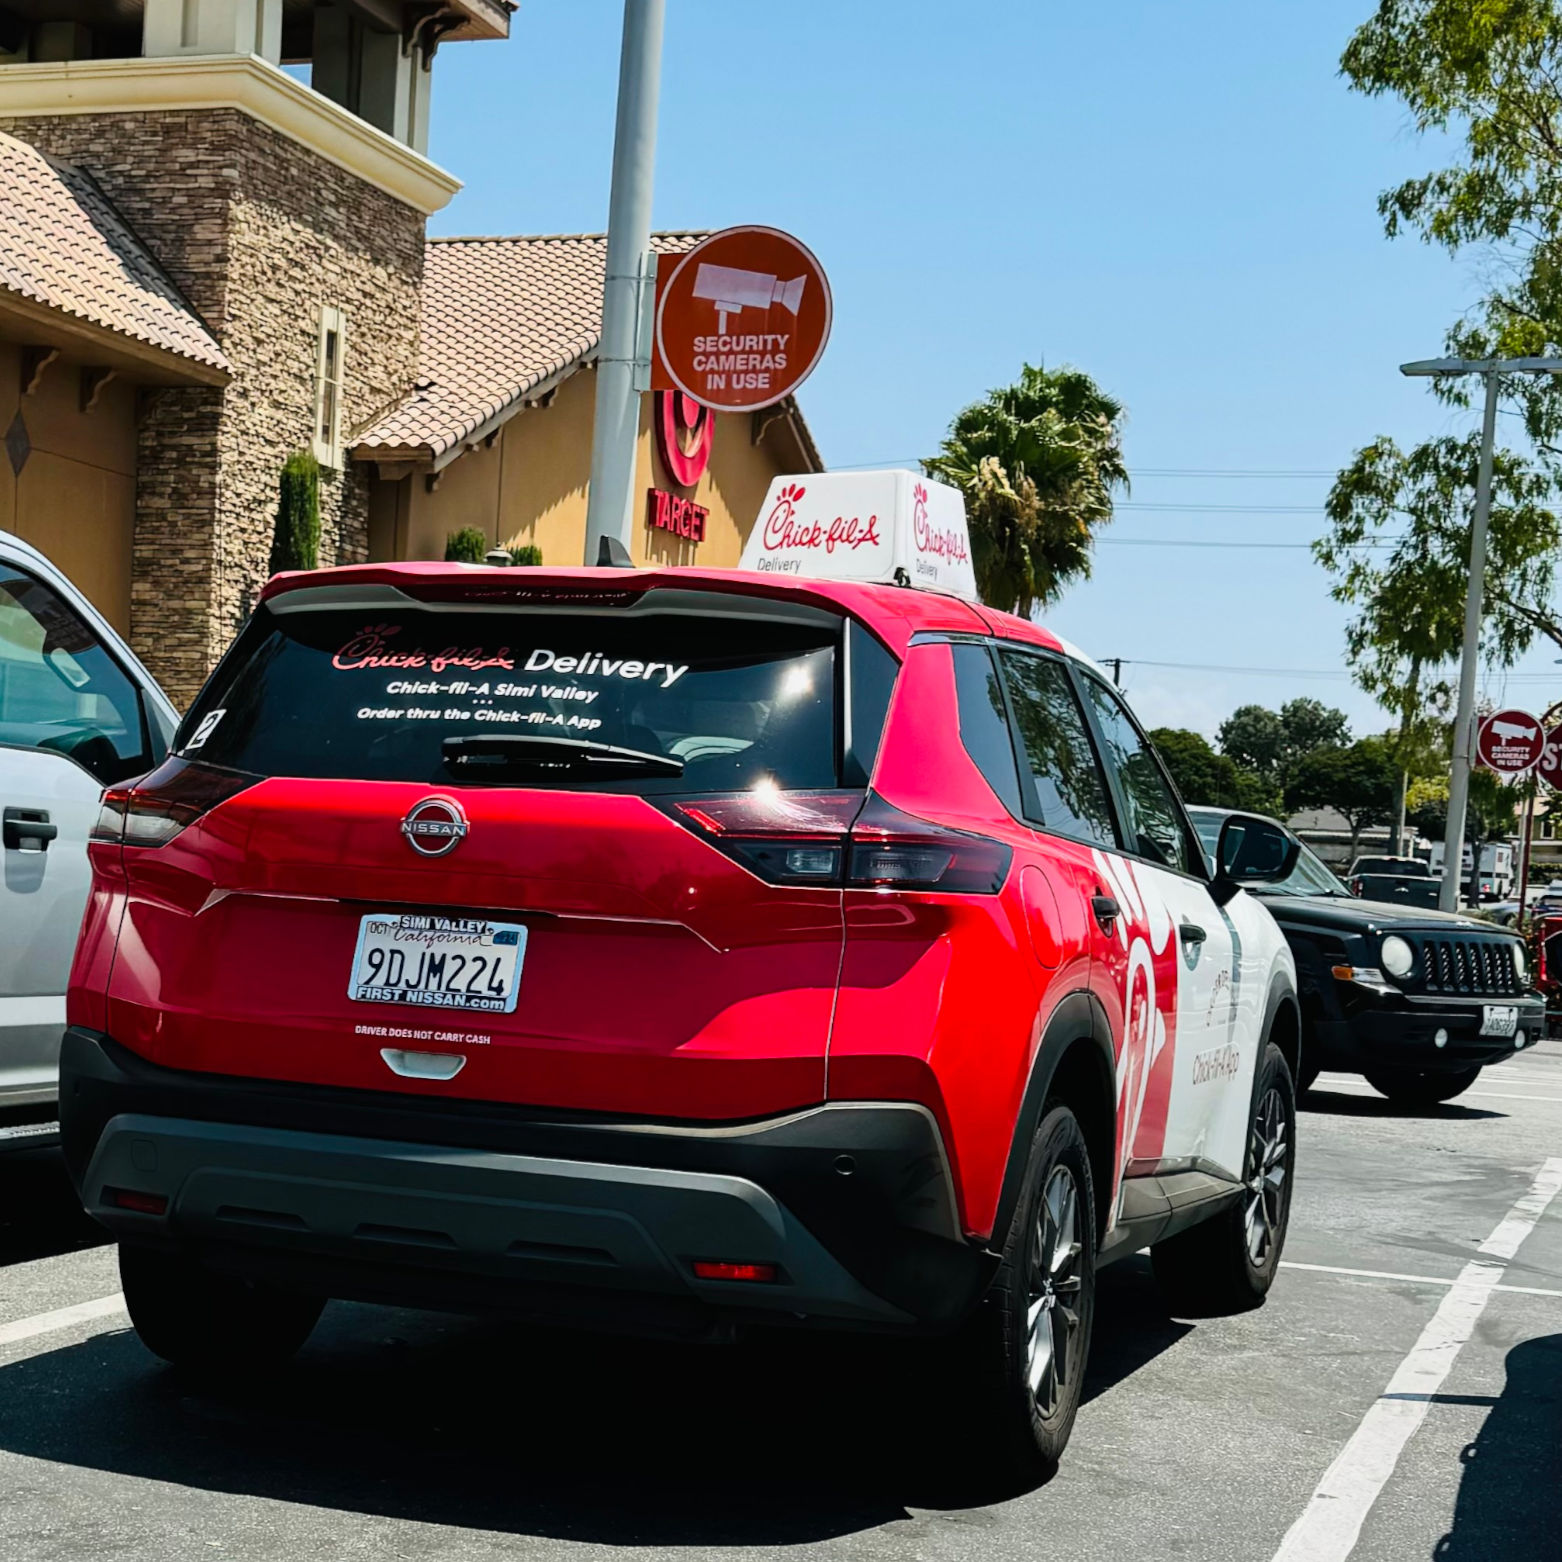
<point>616,429</point>
<point>1492,371</point>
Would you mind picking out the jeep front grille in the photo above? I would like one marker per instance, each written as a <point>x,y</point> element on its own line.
<point>1467,967</point>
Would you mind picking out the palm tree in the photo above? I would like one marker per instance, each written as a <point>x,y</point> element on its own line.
<point>1038,462</point>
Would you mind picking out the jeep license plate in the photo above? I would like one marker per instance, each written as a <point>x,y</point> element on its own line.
<point>433,962</point>
<point>1499,1020</point>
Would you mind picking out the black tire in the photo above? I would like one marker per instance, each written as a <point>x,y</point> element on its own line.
<point>208,1322</point>
<point>1412,1087</point>
<point>1009,1430</point>
<point>1227,1264</point>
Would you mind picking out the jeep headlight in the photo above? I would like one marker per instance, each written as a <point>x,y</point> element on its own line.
<point>1397,956</point>
<point>1520,962</point>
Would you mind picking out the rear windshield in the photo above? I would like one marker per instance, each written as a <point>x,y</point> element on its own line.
<point>647,703</point>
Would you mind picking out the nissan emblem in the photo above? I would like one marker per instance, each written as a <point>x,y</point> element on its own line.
<point>436,826</point>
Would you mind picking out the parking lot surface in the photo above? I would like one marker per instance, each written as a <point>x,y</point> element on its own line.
<point>1399,1397</point>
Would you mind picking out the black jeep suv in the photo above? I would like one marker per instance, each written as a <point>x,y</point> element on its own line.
<point>1419,1001</point>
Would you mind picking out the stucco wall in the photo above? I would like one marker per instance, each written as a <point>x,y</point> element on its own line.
<point>530,486</point>
<point>259,233</point>
<point>75,497</point>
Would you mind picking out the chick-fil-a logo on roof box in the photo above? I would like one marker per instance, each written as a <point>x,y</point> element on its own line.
<point>891,526</point>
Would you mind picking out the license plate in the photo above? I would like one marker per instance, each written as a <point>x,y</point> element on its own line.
<point>1499,1021</point>
<point>431,962</point>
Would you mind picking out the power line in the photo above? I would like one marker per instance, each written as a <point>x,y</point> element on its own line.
<point>1220,509</point>
<point>1196,542</point>
<point>1283,473</point>
<point>1290,672</point>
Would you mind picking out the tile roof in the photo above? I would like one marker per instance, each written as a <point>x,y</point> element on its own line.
<point>500,317</point>
<point>64,245</point>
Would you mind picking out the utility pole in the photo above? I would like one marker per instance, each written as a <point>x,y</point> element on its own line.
<point>1116,664</point>
<point>1491,371</point>
<point>1464,718</point>
<point>616,429</point>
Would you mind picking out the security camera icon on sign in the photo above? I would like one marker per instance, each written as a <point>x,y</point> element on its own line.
<point>732,291</point>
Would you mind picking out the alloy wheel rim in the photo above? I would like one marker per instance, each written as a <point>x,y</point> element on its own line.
<point>1054,1286</point>
<point>1269,1163</point>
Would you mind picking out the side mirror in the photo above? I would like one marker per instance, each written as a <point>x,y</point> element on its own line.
<point>1252,850</point>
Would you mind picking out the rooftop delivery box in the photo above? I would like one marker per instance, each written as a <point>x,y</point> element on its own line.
<point>894,527</point>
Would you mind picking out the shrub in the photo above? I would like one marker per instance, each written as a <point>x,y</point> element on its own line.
<point>466,546</point>
<point>295,544</point>
<point>530,553</point>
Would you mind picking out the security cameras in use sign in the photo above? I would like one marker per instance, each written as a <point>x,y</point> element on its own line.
<point>741,319</point>
<point>1510,742</point>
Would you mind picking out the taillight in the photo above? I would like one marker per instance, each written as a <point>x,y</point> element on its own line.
<point>785,837</point>
<point>837,838</point>
<point>156,808</point>
<point>1357,886</point>
<point>894,850</point>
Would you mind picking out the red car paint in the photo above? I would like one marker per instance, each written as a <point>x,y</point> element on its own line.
<point>662,978</point>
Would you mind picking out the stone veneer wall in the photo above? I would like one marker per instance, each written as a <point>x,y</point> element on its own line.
<point>259,232</point>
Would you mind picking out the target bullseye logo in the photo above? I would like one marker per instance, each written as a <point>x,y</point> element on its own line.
<point>435,826</point>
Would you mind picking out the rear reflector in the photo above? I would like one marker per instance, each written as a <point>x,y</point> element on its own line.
<point>141,1203</point>
<point>850,839</point>
<point>152,811</point>
<point>706,1269</point>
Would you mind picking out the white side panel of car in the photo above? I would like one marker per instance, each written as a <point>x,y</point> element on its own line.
<point>51,803</point>
<point>1222,996</point>
<point>43,892</point>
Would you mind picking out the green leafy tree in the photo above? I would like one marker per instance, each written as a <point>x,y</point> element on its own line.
<point>1038,463</point>
<point>1211,779</point>
<point>1360,782</point>
<point>1254,738</point>
<point>1486,76</point>
<point>467,546</point>
<point>1269,744</point>
<point>295,540</point>
<point>1310,724</point>
<point>1398,548</point>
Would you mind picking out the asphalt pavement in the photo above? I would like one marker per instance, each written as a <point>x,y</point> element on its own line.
<point>1399,1397</point>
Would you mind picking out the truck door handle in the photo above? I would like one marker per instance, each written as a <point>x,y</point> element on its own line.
<point>1106,910</point>
<point>1191,933</point>
<point>26,824</point>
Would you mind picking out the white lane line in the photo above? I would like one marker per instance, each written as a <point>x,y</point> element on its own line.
<point>1492,1095</point>
<point>1384,1274</point>
<point>1330,1525</point>
<point>61,1318</point>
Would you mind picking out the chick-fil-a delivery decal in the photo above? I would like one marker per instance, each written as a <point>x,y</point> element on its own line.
<point>946,542</point>
<point>371,648</point>
<point>783,529</point>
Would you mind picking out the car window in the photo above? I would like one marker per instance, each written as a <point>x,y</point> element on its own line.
<point>1068,794</point>
<point>708,703</point>
<point>60,690</point>
<point>984,722</point>
<point>1154,824</point>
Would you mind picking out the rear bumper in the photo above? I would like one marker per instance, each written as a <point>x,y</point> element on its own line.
<point>1401,1033</point>
<point>467,1206</point>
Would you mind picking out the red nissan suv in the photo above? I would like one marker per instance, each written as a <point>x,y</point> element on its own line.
<point>668,951</point>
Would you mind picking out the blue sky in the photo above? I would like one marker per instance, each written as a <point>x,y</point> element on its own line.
<point>1178,198</point>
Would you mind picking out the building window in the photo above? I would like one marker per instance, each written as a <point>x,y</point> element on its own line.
<point>328,387</point>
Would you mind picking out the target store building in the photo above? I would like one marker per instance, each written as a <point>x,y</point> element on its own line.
<point>496,431</point>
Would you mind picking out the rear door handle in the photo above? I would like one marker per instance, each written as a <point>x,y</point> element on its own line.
<point>18,825</point>
<point>1192,933</point>
<point>1106,910</point>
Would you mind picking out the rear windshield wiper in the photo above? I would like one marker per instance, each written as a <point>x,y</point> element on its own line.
<point>575,756</point>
